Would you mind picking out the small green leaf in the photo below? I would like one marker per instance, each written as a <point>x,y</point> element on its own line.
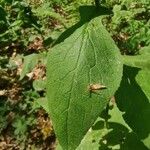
<point>39,85</point>
<point>88,56</point>
<point>30,61</point>
<point>44,103</point>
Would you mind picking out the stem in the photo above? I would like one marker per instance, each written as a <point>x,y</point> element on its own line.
<point>97,3</point>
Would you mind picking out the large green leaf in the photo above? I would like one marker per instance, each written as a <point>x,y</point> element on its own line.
<point>88,56</point>
<point>133,96</point>
<point>133,99</point>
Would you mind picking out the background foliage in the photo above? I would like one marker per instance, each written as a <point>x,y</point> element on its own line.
<point>28,29</point>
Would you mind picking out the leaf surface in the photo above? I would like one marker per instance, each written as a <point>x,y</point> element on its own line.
<point>133,99</point>
<point>133,96</point>
<point>143,79</point>
<point>141,61</point>
<point>88,57</point>
<point>117,135</point>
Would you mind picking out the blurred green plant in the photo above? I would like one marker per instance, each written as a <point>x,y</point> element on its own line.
<point>29,27</point>
<point>129,25</point>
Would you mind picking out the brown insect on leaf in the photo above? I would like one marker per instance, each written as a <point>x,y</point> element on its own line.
<point>95,87</point>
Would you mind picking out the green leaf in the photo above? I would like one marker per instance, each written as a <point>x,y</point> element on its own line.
<point>39,85</point>
<point>44,103</point>
<point>117,135</point>
<point>133,99</point>
<point>142,60</point>
<point>99,136</point>
<point>88,56</point>
<point>143,79</point>
<point>45,10</point>
<point>30,61</point>
<point>2,13</point>
<point>20,126</point>
<point>92,138</point>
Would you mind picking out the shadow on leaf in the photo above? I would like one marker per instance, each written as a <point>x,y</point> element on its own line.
<point>117,136</point>
<point>133,101</point>
<point>120,138</point>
